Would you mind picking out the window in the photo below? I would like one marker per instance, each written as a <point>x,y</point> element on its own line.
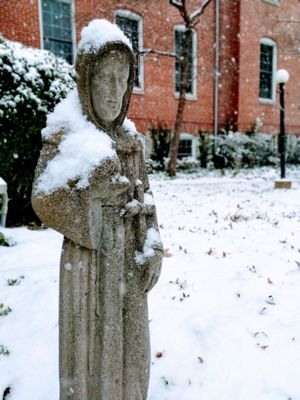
<point>192,68</point>
<point>57,27</point>
<point>187,146</point>
<point>131,25</point>
<point>268,58</point>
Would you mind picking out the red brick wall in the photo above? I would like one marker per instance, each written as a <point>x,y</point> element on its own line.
<point>262,21</point>
<point>158,104</point>
<point>243,23</point>
<point>19,21</point>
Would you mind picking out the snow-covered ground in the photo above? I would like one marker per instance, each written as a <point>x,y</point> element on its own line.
<point>225,315</point>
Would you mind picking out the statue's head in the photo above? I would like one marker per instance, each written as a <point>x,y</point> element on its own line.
<point>105,79</point>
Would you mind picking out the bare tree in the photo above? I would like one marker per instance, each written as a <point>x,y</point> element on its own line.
<point>190,20</point>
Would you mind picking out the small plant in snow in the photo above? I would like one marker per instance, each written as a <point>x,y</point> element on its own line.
<point>14,282</point>
<point>4,351</point>
<point>181,284</point>
<point>7,242</point>
<point>4,310</point>
<point>3,240</point>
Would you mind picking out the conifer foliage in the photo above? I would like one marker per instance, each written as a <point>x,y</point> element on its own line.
<point>32,81</point>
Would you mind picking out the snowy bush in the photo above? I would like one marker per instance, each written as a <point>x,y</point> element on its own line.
<point>237,150</point>
<point>32,81</point>
<point>160,138</point>
<point>240,150</point>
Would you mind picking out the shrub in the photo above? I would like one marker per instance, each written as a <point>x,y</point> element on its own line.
<point>161,139</point>
<point>32,81</point>
<point>237,150</point>
<point>240,150</point>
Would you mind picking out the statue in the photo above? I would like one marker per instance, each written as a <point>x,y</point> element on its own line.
<point>112,253</point>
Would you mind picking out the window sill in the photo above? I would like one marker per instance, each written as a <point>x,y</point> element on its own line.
<point>137,90</point>
<point>272,2</point>
<point>192,97</point>
<point>267,101</point>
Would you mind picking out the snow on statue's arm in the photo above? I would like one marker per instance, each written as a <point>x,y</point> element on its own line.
<point>70,206</point>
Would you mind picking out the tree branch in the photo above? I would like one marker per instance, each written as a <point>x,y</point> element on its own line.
<point>196,14</point>
<point>181,6</point>
<point>145,52</point>
<point>176,3</point>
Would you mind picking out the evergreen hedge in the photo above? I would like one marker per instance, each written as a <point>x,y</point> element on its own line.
<point>32,81</point>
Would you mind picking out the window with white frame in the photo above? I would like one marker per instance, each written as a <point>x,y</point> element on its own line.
<point>268,61</point>
<point>57,27</point>
<point>192,67</point>
<point>131,25</point>
<point>187,146</point>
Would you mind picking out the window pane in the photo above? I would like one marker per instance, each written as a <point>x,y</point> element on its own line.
<point>266,71</point>
<point>179,42</point>
<point>57,28</point>
<point>131,29</point>
<point>185,148</point>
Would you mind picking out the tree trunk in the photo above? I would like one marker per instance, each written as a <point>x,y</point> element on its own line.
<point>181,103</point>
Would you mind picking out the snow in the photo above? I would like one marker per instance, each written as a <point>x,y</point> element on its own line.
<point>98,33</point>
<point>82,149</point>
<point>152,239</point>
<point>129,126</point>
<point>224,316</point>
<point>148,199</point>
<point>29,67</point>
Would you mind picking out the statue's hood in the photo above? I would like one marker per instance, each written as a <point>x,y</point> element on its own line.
<point>85,63</point>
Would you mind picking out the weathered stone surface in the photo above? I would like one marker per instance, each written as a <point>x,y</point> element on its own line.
<point>103,317</point>
<point>283,184</point>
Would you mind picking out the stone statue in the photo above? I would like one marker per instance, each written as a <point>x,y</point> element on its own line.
<point>112,253</point>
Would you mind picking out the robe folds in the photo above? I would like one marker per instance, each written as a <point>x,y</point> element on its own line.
<point>103,318</point>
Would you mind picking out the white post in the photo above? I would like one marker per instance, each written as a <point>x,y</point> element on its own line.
<point>3,193</point>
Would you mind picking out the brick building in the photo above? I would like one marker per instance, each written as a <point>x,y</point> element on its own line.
<point>255,37</point>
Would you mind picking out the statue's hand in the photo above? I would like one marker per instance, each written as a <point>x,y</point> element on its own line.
<point>151,268</point>
<point>106,181</point>
<point>119,184</point>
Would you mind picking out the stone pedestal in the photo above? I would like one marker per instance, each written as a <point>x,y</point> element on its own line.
<point>283,184</point>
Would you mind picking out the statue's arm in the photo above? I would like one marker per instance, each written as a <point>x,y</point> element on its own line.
<point>152,267</point>
<point>76,213</point>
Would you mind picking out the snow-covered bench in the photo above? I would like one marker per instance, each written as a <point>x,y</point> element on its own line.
<point>4,202</point>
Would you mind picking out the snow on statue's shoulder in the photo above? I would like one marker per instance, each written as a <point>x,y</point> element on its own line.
<point>98,33</point>
<point>67,115</point>
<point>130,126</point>
<point>82,148</point>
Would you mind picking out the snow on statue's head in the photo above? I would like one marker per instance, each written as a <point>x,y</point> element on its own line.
<point>105,66</point>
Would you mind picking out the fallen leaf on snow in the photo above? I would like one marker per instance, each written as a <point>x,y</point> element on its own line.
<point>264,347</point>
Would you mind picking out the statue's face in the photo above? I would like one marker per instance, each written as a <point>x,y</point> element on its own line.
<point>108,85</point>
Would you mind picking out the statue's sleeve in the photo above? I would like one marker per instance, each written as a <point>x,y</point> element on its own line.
<point>153,265</point>
<point>74,212</point>
<point>151,218</point>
